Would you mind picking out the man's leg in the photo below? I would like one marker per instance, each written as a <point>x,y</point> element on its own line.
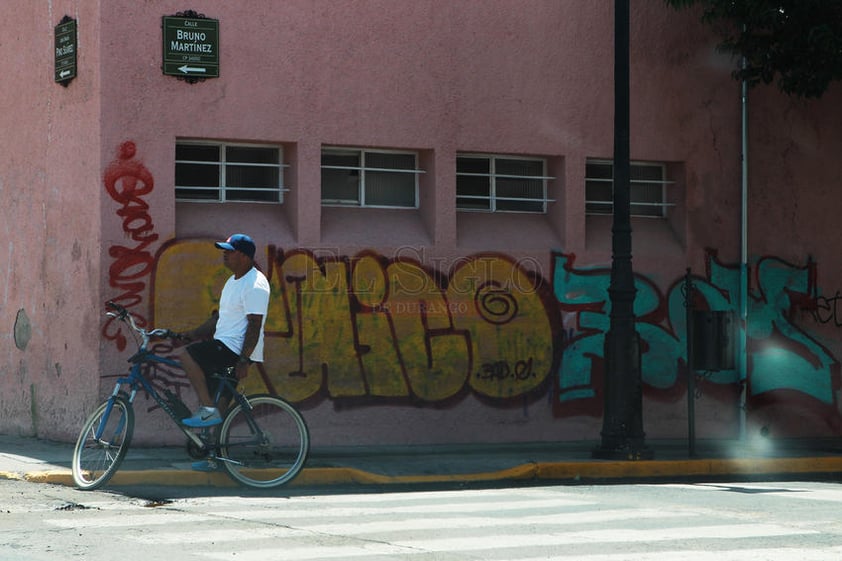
<point>197,378</point>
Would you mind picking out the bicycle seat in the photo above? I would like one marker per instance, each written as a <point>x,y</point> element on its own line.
<point>227,372</point>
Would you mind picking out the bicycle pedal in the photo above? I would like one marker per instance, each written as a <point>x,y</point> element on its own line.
<point>208,465</point>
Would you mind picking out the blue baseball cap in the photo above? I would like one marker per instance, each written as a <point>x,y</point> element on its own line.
<point>238,242</point>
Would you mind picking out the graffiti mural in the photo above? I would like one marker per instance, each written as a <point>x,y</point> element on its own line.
<point>781,355</point>
<point>126,181</point>
<point>378,329</point>
<point>366,326</point>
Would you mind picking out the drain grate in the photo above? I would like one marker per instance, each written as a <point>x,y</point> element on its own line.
<point>155,503</point>
<point>74,506</point>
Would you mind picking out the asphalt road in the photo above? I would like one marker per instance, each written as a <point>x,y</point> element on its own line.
<point>774,521</point>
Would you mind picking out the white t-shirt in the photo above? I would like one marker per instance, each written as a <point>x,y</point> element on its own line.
<point>240,297</point>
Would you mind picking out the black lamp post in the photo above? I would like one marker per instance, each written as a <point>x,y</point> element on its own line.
<point>622,424</point>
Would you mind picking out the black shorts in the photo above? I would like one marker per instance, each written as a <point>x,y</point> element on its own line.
<point>213,357</point>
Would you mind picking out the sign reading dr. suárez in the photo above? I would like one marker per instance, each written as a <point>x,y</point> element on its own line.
<point>191,47</point>
<point>65,45</point>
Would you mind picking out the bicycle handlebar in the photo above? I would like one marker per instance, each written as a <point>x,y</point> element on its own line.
<point>123,314</point>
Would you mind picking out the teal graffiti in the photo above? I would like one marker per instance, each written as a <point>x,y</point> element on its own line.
<point>798,362</point>
<point>781,355</point>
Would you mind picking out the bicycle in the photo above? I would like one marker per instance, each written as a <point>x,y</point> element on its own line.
<point>263,440</point>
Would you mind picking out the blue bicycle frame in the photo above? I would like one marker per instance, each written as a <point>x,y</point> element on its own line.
<point>136,380</point>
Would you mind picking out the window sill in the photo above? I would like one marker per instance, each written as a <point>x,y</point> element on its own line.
<point>220,220</point>
<point>375,227</point>
<point>505,231</point>
<point>650,236</point>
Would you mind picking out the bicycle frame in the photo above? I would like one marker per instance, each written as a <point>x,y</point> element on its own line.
<point>136,380</point>
<point>254,455</point>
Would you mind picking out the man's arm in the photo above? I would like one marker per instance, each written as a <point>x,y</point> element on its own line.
<point>205,330</point>
<point>255,323</point>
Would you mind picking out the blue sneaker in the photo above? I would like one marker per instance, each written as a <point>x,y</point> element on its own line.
<point>208,465</point>
<point>203,417</point>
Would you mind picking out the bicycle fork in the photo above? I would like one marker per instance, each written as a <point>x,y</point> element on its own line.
<point>106,415</point>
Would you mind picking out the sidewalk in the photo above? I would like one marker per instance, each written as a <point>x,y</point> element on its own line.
<point>43,461</point>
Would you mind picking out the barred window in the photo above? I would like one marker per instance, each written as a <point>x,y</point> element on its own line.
<point>369,178</point>
<point>218,172</point>
<point>647,189</point>
<point>501,184</point>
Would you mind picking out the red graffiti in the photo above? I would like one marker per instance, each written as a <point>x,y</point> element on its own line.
<point>127,180</point>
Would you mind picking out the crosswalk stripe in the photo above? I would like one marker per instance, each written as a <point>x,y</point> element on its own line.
<point>217,535</point>
<point>614,535</point>
<point>155,518</point>
<point>463,523</point>
<point>463,495</point>
<point>290,510</point>
<point>766,554</point>
<point>832,495</point>
<point>403,525</point>
<point>293,510</point>
<point>367,550</point>
<point>500,542</point>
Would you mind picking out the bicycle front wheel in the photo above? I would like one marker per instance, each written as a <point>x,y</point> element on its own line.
<point>265,445</point>
<point>103,443</point>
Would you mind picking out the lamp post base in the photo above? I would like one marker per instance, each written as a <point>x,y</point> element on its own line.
<point>622,429</point>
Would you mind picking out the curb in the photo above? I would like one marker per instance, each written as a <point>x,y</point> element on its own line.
<point>735,467</point>
<point>572,472</point>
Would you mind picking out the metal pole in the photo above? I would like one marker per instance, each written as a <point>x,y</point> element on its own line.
<point>622,428</point>
<point>691,372</point>
<point>742,339</point>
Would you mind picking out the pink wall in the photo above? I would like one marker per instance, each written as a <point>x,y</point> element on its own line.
<point>50,187</point>
<point>490,76</point>
<point>441,77</point>
<point>794,204</point>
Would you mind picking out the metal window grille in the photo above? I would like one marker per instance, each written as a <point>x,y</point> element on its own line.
<point>487,183</point>
<point>648,188</point>
<point>218,172</point>
<point>369,178</point>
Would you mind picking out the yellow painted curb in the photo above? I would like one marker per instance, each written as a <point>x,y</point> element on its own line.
<point>57,477</point>
<point>9,475</point>
<point>557,471</point>
<point>332,476</point>
<point>688,468</point>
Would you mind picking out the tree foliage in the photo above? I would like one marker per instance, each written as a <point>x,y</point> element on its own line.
<point>795,43</point>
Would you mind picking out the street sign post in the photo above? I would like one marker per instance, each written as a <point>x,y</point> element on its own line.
<point>191,47</point>
<point>65,51</point>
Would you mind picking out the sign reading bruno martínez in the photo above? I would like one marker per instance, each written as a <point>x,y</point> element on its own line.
<point>191,47</point>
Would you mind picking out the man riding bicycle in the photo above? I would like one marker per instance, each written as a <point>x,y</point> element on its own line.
<point>237,329</point>
<point>262,442</point>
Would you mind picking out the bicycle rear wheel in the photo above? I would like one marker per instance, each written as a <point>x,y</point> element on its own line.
<point>265,446</point>
<point>103,443</point>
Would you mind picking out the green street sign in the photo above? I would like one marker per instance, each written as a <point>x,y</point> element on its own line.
<point>66,43</point>
<point>191,47</point>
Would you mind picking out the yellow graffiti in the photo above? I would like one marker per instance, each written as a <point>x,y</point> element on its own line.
<point>366,326</point>
<point>186,285</point>
<point>510,330</point>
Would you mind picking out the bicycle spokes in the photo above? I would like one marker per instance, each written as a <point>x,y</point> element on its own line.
<point>265,444</point>
<point>103,443</point>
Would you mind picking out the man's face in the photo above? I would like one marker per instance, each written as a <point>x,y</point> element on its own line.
<point>233,259</point>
